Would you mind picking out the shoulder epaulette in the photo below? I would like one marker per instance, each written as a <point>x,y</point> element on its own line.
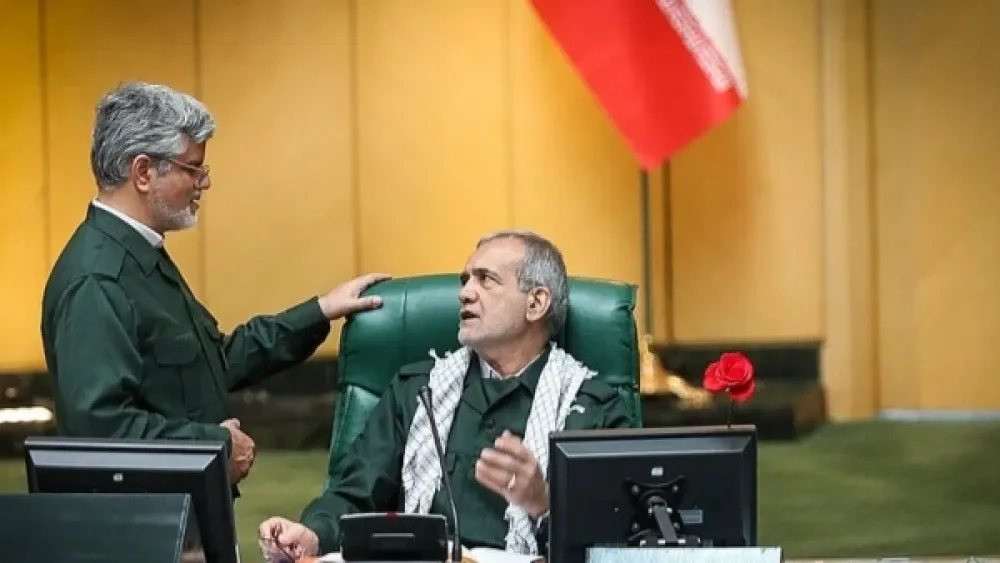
<point>422,367</point>
<point>598,390</point>
<point>109,261</point>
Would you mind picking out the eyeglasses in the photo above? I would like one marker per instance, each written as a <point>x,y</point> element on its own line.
<point>200,172</point>
<point>288,556</point>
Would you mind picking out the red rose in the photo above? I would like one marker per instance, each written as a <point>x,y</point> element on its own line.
<point>734,373</point>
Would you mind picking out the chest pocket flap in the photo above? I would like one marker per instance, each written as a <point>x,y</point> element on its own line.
<point>176,349</point>
<point>212,330</point>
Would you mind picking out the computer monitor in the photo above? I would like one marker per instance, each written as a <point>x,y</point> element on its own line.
<point>685,486</point>
<point>197,468</point>
<point>89,528</point>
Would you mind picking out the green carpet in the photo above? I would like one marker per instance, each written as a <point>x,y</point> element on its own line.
<point>853,490</point>
<point>884,489</point>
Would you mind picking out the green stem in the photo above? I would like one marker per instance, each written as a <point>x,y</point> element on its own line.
<point>732,409</point>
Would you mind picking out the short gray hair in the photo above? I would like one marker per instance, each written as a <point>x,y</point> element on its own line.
<point>543,266</point>
<point>140,118</point>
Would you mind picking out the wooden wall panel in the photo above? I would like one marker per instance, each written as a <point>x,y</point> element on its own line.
<point>937,132</point>
<point>573,178</point>
<point>849,372</point>
<point>432,131</point>
<point>746,209</point>
<point>23,251</point>
<point>281,227</point>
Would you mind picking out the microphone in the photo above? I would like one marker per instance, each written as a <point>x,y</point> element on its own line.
<point>456,542</point>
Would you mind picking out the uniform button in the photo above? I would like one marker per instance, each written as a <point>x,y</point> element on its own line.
<point>488,423</point>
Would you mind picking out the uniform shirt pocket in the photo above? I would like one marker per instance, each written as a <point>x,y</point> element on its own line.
<point>175,382</point>
<point>176,350</point>
<point>216,340</point>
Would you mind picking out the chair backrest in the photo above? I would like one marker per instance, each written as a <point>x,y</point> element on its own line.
<point>420,313</point>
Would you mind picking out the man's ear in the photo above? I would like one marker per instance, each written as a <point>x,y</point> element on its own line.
<point>539,303</point>
<point>142,172</point>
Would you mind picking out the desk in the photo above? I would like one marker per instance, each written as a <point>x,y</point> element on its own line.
<point>465,559</point>
<point>988,559</point>
<point>319,560</point>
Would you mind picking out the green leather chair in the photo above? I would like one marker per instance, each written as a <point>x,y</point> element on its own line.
<point>421,313</point>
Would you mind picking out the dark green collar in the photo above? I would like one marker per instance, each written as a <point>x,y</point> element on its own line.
<point>144,253</point>
<point>529,378</point>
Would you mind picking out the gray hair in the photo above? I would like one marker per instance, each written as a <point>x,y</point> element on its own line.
<point>140,118</point>
<point>543,266</point>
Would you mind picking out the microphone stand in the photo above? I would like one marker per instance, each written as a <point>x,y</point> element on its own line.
<point>456,545</point>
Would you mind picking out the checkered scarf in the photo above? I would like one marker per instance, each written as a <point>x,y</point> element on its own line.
<point>557,386</point>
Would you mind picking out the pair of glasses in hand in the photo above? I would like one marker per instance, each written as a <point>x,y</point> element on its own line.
<point>270,544</point>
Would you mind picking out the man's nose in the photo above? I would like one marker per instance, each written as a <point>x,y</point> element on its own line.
<point>466,295</point>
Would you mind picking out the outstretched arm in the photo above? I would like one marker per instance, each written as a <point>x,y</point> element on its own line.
<point>267,344</point>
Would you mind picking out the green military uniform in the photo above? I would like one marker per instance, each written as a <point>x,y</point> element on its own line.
<point>369,478</point>
<point>134,355</point>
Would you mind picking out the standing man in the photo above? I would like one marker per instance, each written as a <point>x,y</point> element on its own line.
<point>132,352</point>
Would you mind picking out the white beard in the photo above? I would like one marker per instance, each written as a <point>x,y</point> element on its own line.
<point>172,219</point>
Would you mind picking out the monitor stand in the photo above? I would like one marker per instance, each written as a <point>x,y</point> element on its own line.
<point>656,518</point>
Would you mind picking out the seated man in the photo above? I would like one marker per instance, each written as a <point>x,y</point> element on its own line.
<point>495,401</point>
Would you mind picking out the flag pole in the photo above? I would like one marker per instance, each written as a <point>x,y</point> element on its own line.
<point>647,260</point>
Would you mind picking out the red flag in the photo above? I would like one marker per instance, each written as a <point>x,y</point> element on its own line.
<point>665,71</point>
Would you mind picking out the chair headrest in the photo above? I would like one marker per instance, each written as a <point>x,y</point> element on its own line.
<point>420,313</point>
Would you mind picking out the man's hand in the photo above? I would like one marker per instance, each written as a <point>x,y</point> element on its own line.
<point>510,470</point>
<point>244,452</point>
<point>344,300</point>
<point>284,541</point>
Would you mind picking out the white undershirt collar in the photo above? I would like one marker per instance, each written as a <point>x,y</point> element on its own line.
<point>154,238</point>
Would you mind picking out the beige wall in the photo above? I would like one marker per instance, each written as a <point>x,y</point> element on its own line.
<point>353,136</point>
<point>854,200</point>
<point>849,201</point>
<point>936,83</point>
<point>746,211</point>
<point>23,194</point>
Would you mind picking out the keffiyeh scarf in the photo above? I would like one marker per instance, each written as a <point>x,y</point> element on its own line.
<point>557,387</point>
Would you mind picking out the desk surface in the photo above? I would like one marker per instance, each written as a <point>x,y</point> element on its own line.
<point>883,560</point>
<point>990,559</point>
<point>985,559</point>
<point>465,559</point>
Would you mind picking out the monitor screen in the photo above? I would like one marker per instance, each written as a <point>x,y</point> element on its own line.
<point>198,468</point>
<point>685,486</point>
